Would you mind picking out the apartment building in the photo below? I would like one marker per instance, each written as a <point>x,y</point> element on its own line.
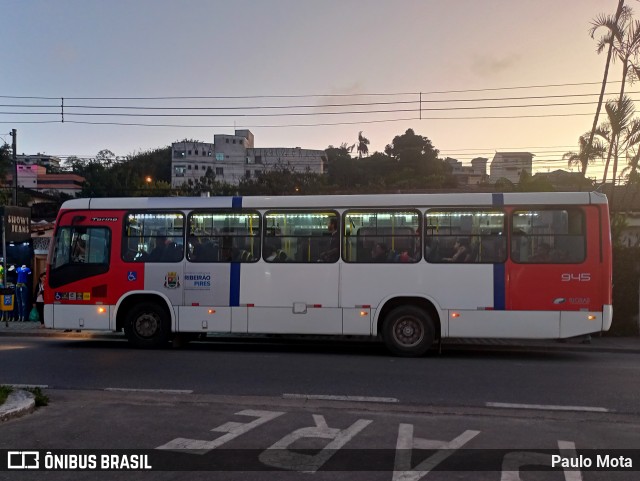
<point>510,165</point>
<point>234,157</point>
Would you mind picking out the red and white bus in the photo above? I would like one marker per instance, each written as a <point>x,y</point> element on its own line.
<point>409,269</point>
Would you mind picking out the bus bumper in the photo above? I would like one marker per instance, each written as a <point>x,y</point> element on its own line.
<point>607,316</point>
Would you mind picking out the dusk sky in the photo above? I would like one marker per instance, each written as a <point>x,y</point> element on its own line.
<point>309,54</point>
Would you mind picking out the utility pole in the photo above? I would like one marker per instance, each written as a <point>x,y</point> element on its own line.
<point>14,147</point>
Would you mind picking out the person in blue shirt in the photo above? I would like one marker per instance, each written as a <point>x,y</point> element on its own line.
<point>22,292</point>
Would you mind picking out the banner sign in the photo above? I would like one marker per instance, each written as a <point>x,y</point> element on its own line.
<point>17,223</point>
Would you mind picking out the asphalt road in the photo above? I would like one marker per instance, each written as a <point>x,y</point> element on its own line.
<point>595,381</point>
<point>342,411</point>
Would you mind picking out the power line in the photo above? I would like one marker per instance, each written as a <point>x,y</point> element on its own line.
<point>308,106</point>
<point>237,97</point>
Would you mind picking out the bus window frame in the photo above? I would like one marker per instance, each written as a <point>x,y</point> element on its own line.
<point>382,210</point>
<point>475,209</point>
<point>314,210</point>
<point>71,271</point>
<point>533,208</point>
<point>219,235</point>
<point>124,247</point>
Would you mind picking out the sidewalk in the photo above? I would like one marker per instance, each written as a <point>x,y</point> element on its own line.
<point>596,343</point>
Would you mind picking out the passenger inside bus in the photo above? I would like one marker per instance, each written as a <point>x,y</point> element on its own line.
<point>79,250</point>
<point>379,253</point>
<point>461,251</point>
<point>543,253</point>
<point>333,251</point>
<point>165,251</point>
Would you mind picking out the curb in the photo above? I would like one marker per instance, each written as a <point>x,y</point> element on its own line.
<point>561,347</point>
<point>17,404</point>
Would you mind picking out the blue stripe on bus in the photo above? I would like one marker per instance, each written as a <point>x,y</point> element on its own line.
<point>499,287</point>
<point>234,285</point>
<point>499,283</point>
<point>234,275</point>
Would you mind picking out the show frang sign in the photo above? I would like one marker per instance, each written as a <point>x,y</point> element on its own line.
<point>17,223</point>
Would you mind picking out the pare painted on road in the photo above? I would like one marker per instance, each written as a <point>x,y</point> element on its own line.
<point>320,447</point>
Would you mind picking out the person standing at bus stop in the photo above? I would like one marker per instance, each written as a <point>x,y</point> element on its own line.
<point>38,295</point>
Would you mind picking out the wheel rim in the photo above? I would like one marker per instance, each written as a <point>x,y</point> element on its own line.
<point>408,331</point>
<point>147,324</point>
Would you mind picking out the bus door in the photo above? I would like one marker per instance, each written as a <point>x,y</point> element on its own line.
<point>80,275</point>
<point>554,269</point>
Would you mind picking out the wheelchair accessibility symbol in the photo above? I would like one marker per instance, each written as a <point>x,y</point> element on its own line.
<point>132,276</point>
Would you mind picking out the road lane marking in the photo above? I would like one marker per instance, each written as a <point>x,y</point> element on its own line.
<point>160,391</point>
<point>328,397</point>
<point>548,407</point>
<point>27,386</point>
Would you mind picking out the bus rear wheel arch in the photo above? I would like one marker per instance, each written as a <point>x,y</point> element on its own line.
<point>148,325</point>
<point>408,330</point>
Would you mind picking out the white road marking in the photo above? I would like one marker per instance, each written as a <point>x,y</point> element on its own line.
<point>161,391</point>
<point>327,397</point>
<point>26,386</point>
<point>548,407</point>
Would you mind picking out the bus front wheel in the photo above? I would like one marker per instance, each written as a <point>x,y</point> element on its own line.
<point>408,331</point>
<point>148,326</point>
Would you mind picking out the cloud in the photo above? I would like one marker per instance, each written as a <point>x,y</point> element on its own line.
<point>485,65</point>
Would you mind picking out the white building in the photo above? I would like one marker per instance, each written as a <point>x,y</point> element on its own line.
<point>474,174</point>
<point>234,157</point>
<point>39,159</point>
<point>510,165</point>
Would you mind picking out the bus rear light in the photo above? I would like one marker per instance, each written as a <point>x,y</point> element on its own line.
<point>455,314</point>
<point>211,311</point>
<point>102,310</point>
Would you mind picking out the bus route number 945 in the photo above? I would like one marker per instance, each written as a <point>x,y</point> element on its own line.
<point>582,277</point>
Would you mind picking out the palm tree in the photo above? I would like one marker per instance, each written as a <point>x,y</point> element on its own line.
<point>624,38</point>
<point>363,142</point>
<point>632,138</point>
<point>588,152</point>
<point>605,40</point>
<point>620,113</point>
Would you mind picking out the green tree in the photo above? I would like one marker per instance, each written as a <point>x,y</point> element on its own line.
<point>589,151</point>
<point>363,145</point>
<point>282,179</point>
<point>207,184</point>
<point>5,169</point>
<point>529,183</point>
<point>416,153</point>
<point>605,41</point>
<point>623,36</point>
<point>341,168</point>
<point>620,115</point>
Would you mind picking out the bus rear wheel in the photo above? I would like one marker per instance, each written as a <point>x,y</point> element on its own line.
<point>408,331</point>
<point>148,326</point>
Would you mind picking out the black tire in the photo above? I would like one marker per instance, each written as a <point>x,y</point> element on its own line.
<point>148,326</point>
<point>408,331</point>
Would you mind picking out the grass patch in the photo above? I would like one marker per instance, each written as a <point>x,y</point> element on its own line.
<point>40,398</point>
<point>4,393</point>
